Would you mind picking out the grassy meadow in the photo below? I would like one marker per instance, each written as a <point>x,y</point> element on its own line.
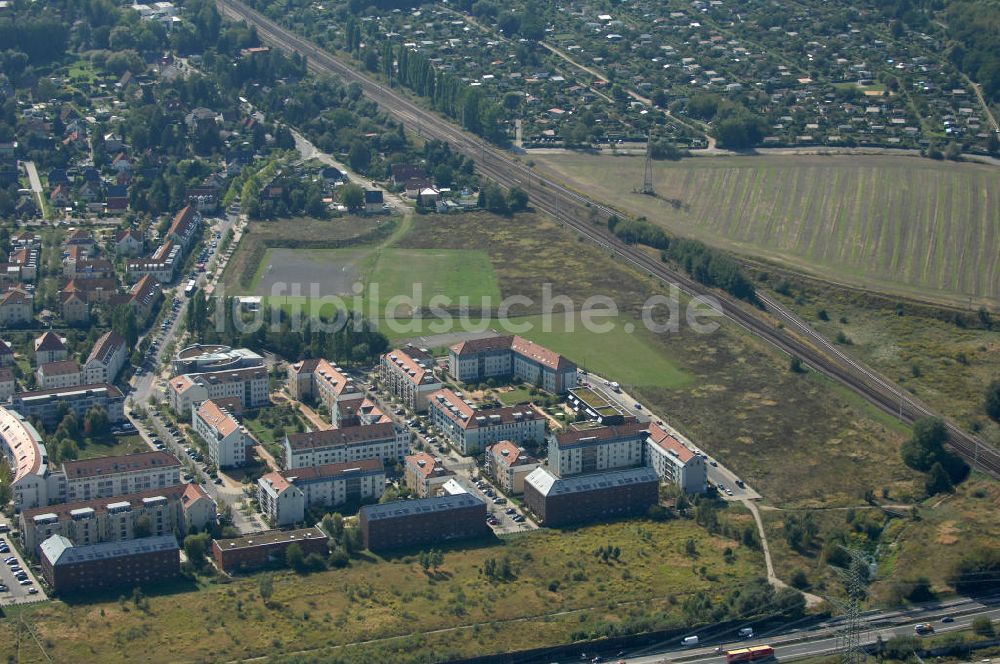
<point>383,600</point>
<point>897,224</point>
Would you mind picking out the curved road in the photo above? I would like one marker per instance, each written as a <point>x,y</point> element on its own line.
<point>573,209</point>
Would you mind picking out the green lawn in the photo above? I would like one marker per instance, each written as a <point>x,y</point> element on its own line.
<point>445,273</point>
<point>115,446</point>
<point>629,358</point>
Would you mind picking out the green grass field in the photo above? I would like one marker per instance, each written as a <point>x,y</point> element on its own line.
<point>447,273</point>
<point>900,224</point>
<point>382,599</point>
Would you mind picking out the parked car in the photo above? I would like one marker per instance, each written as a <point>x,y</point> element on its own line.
<point>26,582</point>
<point>32,591</point>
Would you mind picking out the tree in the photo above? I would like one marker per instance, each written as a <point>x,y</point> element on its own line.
<point>352,196</point>
<point>517,199</point>
<point>938,481</point>
<point>360,156</point>
<point>993,401</point>
<point>143,526</point>
<point>983,626</point>
<point>266,587</point>
<point>926,448</point>
<point>496,202</point>
<point>294,557</point>
<point>95,423</point>
<point>195,547</point>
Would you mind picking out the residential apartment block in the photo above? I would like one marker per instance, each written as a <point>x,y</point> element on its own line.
<point>327,383</point>
<point>55,375</point>
<point>15,307</point>
<point>423,522</point>
<point>384,441</point>
<point>471,430</point>
<point>408,374</point>
<point>675,462</point>
<point>226,439</point>
<point>285,496</point>
<point>511,356</point>
<point>50,347</point>
<point>509,464</point>
<point>106,359</point>
<point>425,475</point>
<point>260,549</point>
<point>103,477</point>
<point>46,405</point>
<point>559,501</point>
<point>139,562</point>
<point>32,478</point>
<point>168,511</point>
<point>249,385</point>
<point>588,449</point>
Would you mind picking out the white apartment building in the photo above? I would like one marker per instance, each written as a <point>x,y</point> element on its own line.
<point>172,510</point>
<point>106,359</point>
<point>592,449</point>
<point>225,438</point>
<point>326,382</point>
<point>383,441</point>
<point>55,375</point>
<point>249,385</point>
<point>285,496</point>
<point>408,374</point>
<point>674,461</point>
<point>119,475</point>
<point>471,430</point>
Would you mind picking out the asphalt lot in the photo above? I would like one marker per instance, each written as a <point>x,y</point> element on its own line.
<point>16,593</point>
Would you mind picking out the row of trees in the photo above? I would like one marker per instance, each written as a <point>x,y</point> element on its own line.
<point>711,267</point>
<point>925,452</point>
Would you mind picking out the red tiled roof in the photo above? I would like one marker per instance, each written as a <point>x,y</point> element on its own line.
<point>341,436</point>
<point>668,442</point>
<point>119,464</point>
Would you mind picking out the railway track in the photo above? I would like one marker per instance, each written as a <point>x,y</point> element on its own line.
<point>790,334</point>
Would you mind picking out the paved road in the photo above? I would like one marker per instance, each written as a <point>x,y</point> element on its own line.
<point>822,639</point>
<point>35,182</point>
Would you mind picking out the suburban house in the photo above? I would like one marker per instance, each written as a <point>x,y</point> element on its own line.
<point>425,475</point>
<point>509,464</point>
<point>73,308</point>
<point>511,356</point>
<point>408,374</point>
<point>284,496</point>
<point>471,430</point>
<point>225,437</point>
<point>384,441</point>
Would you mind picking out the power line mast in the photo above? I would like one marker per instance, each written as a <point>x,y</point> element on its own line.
<point>855,579</point>
<point>647,176</point>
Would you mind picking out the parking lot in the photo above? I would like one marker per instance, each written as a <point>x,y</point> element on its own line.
<point>18,584</point>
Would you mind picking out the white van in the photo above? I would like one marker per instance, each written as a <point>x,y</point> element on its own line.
<point>689,641</point>
<point>746,633</point>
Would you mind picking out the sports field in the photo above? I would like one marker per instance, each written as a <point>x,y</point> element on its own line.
<point>898,224</point>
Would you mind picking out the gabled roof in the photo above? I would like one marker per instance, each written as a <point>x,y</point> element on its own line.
<point>14,296</point>
<point>509,454</point>
<point>669,443</point>
<point>49,341</point>
<point>109,344</point>
<point>218,418</point>
<point>342,436</point>
<point>127,463</point>
<point>60,368</point>
<point>483,345</point>
<point>540,354</point>
<point>416,365</point>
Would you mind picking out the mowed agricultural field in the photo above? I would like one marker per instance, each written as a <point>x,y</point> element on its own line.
<point>377,599</point>
<point>900,224</point>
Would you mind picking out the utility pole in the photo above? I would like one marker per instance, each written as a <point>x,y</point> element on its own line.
<point>855,579</point>
<point>647,176</point>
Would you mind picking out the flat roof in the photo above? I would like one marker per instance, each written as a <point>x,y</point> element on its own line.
<point>403,508</point>
<point>60,551</point>
<point>269,537</point>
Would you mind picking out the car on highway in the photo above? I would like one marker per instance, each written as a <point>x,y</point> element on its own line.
<point>948,619</point>
<point>714,463</point>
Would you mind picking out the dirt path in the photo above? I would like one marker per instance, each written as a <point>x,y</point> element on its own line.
<point>772,578</point>
<point>982,102</point>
